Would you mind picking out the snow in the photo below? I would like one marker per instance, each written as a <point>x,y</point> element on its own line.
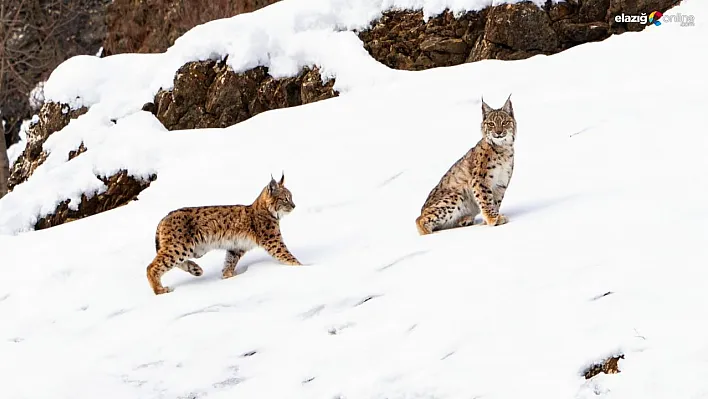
<point>36,97</point>
<point>607,196</point>
<point>15,150</point>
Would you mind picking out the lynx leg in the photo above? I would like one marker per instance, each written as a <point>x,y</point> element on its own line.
<point>488,205</point>
<point>159,266</point>
<point>232,258</point>
<point>498,193</point>
<point>276,248</point>
<point>191,268</point>
<point>470,210</point>
<point>445,213</point>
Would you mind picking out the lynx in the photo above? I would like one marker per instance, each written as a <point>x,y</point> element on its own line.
<point>477,182</point>
<point>192,232</point>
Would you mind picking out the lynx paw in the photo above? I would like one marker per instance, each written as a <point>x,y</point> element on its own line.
<point>194,269</point>
<point>162,290</point>
<point>496,221</point>
<point>466,221</point>
<point>227,274</point>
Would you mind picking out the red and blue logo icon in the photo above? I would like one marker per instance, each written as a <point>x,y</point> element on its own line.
<point>654,17</point>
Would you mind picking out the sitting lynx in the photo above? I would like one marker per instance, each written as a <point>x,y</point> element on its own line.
<point>192,232</point>
<point>477,181</point>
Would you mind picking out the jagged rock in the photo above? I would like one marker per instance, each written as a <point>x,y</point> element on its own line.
<point>593,10</point>
<point>562,10</point>
<point>403,40</point>
<point>75,153</point>
<point>581,33</point>
<point>453,46</point>
<point>52,118</point>
<point>312,89</point>
<point>120,190</point>
<point>608,366</point>
<point>151,26</point>
<point>207,94</point>
<point>522,26</point>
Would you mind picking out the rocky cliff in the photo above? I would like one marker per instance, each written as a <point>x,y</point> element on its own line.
<point>151,26</point>
<point>403,40</point>
<point>207,94</point>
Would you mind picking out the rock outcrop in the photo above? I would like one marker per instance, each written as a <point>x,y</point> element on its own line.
<point>608,366</point>
<point>403,40</point>
<point>207,94</point>
<point>151,26</point>
<point>52,118</point>
<point>121,188</point>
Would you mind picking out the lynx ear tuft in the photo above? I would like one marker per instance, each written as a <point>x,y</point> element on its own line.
<point>486,109</point>
<point>273,185</point>
<point>507,106</point>
<point>282,178</point>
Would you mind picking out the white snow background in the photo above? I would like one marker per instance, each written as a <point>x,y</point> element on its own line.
<point>608,195</point>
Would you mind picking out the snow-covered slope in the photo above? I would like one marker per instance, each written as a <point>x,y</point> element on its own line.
<point>608,195</point>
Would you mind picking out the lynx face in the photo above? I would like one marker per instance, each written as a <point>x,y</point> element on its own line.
<point>499,125</point>
<point>280,200</point>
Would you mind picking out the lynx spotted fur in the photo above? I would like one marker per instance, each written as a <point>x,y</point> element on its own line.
<point>192,232</point>
<point>477,182</point>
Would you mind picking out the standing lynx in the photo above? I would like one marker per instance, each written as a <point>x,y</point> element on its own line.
<point>477,181</point>
<point>192,232</point>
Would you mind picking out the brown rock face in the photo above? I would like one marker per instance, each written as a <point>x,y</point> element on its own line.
<point>121,189</point>
<point>151,26</point>
<point>521,26</point>
<point>52,118</point>
<point>402,40</point>
<point>207,94</point>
